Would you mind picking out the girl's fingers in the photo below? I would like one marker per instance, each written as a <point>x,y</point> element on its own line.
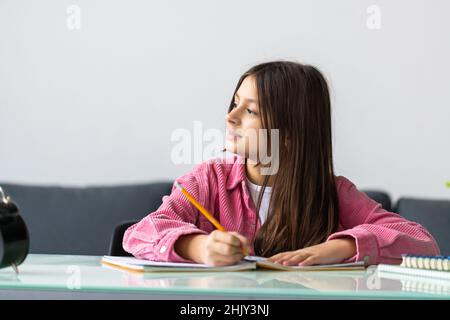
<point>226,249</point>
<point>295,258</point>
<point>281,258</point>
<point>223,260</point>
<point>289,258</point>
<point>311,260</point>
<point>226,237</point>
<point>244,244</point>
<point>278,256</point>
<point>273,258</point>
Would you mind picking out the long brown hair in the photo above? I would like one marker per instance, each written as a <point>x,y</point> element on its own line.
<point>303,210</point>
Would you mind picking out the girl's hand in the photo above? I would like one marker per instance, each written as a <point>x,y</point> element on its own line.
<point>330,252</point>
<point>222,248</point>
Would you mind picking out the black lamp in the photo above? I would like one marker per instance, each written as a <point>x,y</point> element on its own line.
<point>14,237</point>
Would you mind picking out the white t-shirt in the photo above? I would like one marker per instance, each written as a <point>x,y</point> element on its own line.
<point>254,193</point>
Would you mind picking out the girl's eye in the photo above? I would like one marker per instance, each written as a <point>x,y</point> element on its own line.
<point>234,105</point>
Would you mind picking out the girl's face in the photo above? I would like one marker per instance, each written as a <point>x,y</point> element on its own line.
<point>244,121</point>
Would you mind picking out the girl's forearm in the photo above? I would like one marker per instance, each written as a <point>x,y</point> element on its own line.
<point>347,246</point>
<point>190,247</point>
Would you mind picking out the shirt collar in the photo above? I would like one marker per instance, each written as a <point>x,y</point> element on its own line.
<point>237,172</point>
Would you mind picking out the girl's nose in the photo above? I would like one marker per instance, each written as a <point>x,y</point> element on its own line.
<point>233,116</point>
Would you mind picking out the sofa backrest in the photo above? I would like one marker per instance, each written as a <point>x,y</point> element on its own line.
<point>81,220</point>
<point>434,215</point>
<point>71,220</point>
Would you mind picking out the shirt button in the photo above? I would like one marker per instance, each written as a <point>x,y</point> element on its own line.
<point>163,249</point>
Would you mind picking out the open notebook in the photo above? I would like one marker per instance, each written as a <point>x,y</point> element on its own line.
<point>248,263</point>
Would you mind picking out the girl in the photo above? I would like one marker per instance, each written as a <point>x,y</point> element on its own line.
<point>302,214</point>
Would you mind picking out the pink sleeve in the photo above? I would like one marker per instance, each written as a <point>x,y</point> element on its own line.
<point>153,238</point>
<point>380,235</point>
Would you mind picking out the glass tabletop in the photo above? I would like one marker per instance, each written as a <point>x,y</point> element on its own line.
<point>87,274</point>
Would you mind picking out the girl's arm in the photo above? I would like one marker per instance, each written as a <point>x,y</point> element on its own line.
<point>190,247</point>
<point>380,235</point>
<point>153,238</point>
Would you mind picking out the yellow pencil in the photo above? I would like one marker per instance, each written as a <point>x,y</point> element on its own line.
<point>205,212</point>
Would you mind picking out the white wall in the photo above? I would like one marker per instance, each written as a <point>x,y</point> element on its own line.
<point>98,105</point>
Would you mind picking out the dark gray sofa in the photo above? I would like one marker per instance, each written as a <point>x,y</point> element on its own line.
<point>91,220</point>
<point>69,220</point>
<point>434,215</point>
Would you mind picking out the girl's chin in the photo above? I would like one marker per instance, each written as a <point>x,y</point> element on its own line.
<point>231,147</point>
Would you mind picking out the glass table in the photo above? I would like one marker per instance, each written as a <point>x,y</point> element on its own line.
<point>84,277</point>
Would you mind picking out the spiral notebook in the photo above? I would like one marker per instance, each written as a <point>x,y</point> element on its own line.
<point>441,263</point>
<point>248,263</point>
<point>437,267</point>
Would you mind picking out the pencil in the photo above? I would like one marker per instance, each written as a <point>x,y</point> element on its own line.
<point>205,212</point>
